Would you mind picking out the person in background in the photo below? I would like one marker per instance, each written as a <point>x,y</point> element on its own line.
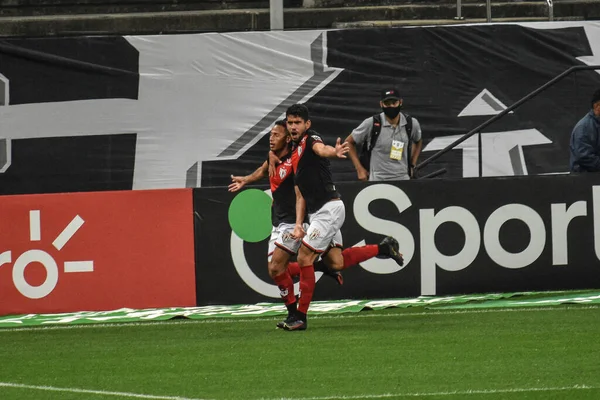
<point>391,142</point>
<point>585,140</point>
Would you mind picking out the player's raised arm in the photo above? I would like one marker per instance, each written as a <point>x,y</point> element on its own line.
<point>238,182</point>
<point>339,151</point>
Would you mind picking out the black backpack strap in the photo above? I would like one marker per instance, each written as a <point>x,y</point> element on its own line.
<point>375,131</point>
<point>408,127</point>
<point>369,142</point>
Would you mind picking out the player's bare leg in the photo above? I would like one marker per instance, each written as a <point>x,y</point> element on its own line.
<point>330,264</point>
<point>320,266</point>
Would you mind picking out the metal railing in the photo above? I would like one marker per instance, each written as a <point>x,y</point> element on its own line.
<point>488,7</point>
<point>478,129</point>
<point>276,12</point>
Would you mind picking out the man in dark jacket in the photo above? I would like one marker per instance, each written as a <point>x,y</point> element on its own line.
<point>585,140</point>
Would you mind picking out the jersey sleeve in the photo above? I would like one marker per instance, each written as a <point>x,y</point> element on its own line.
<point>314,138</point>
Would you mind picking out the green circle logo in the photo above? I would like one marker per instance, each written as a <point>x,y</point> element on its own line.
<point>250,215</point>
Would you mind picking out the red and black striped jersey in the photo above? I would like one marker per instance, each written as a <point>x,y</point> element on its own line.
<point>283,192</point>
<point>312,173</point>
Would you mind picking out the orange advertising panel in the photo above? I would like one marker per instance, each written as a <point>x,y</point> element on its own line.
<point>96,251</point>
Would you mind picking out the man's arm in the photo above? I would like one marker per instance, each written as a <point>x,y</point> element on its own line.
<point>414,157</point>
<point>323,150</point>
<point>274,161</point>
<point>417,145</point>
<point>360,134</point>
<point>363,174</point>
<point>239,182</point>
<point>584,150</point>
<point>300,213</point>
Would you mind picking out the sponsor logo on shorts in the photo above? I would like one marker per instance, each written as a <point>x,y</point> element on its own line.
<point>287,236</point>
<point>314,234</point>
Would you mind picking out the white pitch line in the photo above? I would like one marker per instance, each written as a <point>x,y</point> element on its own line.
<point>98,392</point>
<point>342,397</point>
<point>441,394</point>
<point>68,232</point>
<point>229,320</point>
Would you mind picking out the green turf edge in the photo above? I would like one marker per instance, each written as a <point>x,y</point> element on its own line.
<point>471,301</point>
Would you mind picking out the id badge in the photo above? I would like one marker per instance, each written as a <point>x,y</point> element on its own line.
<point>397,150</point>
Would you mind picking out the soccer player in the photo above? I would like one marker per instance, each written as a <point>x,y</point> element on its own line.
<point>282,244</point>
<point>317,192</point>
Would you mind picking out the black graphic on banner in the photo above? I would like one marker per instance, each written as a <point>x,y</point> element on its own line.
<point>452,79</point>
<point>67,69</point>
<point>70,164</point>
<point>48,70</point>
<point>488,235</point>
<point>221,280</point>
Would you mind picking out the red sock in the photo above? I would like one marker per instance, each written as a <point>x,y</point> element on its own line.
<point>286,287</point>
<point>307,288</point>
<point>294,269</point>
<point>355,255</point>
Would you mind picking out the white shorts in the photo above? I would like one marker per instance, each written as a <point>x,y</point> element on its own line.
<point>281,236</point>
<point>324,228</point>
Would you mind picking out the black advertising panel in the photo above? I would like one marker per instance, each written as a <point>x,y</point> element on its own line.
<point>458,236</point>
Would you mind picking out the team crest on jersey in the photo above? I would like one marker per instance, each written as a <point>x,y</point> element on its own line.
<point>282,172</point>
<point>299,150</point>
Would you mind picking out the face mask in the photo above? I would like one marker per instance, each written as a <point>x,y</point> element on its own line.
<point>391,112</point>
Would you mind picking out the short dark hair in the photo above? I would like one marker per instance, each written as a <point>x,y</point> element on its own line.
<point>281,122</point>
<point>298,110</point>
<point>595,97</point>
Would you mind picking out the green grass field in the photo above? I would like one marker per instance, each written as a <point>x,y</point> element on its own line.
<point>534,353</point>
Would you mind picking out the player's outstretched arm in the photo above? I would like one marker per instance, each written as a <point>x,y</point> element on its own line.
<point>238,182</point>
<point>300,212</point>
<point>339,151</point>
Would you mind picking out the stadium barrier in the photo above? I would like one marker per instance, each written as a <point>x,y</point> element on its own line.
<point>457,236</point>
<point>135,249</point>
<point>96,251</point>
